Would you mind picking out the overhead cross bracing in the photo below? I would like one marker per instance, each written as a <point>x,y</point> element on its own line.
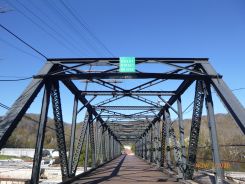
<point>139,110</point>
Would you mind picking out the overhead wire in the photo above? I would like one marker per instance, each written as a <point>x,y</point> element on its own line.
<point>43,28</point>
<point>58,34</point>
<point>54,22</point>
<point>238,89</point>
<point>15,80</point>
<point>21,40</point>
<point>85,27</point>
<point>71,26</point>
<point>17,48</point>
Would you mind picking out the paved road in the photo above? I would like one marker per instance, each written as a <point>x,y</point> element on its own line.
<point>126,169</point>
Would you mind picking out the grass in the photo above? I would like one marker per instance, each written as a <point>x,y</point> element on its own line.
<point>6,157</point>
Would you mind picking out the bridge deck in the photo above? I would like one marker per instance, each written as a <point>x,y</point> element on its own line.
<point>126,169</point>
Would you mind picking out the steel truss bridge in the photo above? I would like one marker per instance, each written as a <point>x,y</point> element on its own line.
<point>107,127</point>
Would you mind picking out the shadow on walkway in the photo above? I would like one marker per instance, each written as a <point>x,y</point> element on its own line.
<point>113,173</point>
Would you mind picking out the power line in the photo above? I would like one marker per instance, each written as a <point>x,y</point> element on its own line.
<point>39,26</point>
<point>54,22</point>
<point>238,89</point>
<point>68,8</point>
<point>17,48</point>
<point>15,80</point>
<point>45,23</point>
<point>12,76</point>
<point>10,32</point>
<point>71,26</point>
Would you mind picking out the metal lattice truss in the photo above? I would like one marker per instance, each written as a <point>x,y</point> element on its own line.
<point>119,112</point>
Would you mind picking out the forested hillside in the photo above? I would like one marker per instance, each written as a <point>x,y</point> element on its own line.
<point>228,134</point>
<point>230,138</point>
<point>24,136</point>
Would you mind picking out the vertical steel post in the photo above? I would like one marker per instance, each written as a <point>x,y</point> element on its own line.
<point>163,141</point>
<point>87,147</point>
<point>136,149</point>
<point>107,145</point>
<point>213,133</point>
<point>148,146</point>
<point>177,154</point>
<point>80,144</point>
<point>233,105</point>
<point>99,145</point>
<point>158,148</point>
<point>73,132</point>
<point>167,121</point>
<point>59,129</point>
<point>181,133</point>
<point>111,146</point>
<point>154,143</point>
<point>195,128</point>
<point>40,135</point>
<point>142,147</point>
<point>103,146</point>
<point>91,139</point>
<point>96,141</point>
<point>151,144</point>
<point>113,150</point>
<point>145,147</point>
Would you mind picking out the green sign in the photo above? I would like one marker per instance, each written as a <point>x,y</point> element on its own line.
<point>127,64</point>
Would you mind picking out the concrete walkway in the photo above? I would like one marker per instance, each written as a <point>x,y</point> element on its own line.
<point>126,169</point>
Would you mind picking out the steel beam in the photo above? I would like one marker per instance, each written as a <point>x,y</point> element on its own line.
<point>145,100</point>
<point>163,141</point>
<point>126,108</point>
<point>91,61</point>
<point>103,144</point>
<point>177,154</point>
<point>128,116</point>
<point>116,75</point>
<point>91,138</point>
<point>87,145</point>
<point>109,100</point>
<point>167,138</point>
<point>181,132</point>
<point>145,147</point>
<point>128,93</point>
<point>228,98</point>
<point>71,86</point>
<point>59,127</point>
<point>20,106</point>
<point>40,136</point>
<point>181,89</point>
<point>73,134</point>
<point>151,145</point>
<point>158,148</point>
<point>80,143</point>
<point>219,174</point>
<point>195,128</point>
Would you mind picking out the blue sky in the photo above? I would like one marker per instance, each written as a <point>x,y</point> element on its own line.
<point>140,28</point>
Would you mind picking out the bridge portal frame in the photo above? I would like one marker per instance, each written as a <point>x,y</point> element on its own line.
<point>66,70</point>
